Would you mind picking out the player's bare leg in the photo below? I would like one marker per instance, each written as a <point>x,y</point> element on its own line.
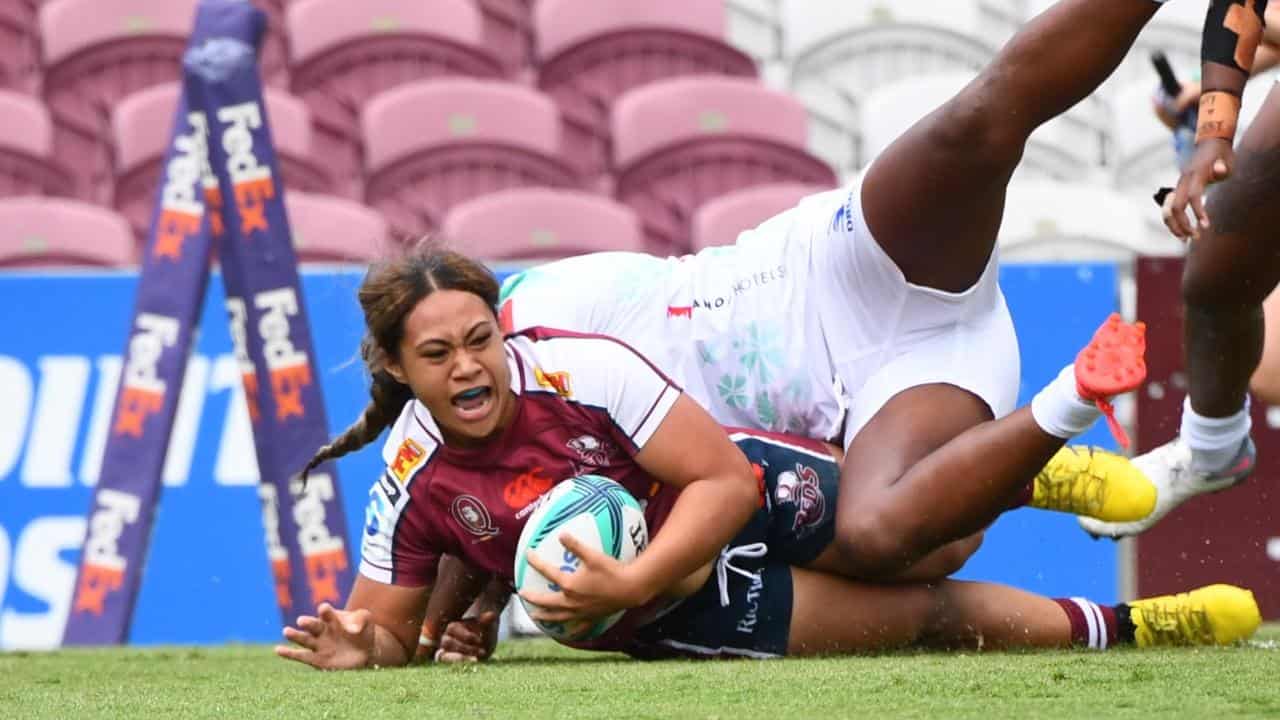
<point>835,615</point>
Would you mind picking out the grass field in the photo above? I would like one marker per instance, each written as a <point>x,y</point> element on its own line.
<point>538,679</point>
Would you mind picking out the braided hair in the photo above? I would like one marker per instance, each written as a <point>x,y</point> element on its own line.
<point>390,291</point>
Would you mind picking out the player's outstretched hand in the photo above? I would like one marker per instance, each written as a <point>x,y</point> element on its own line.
<point>331,640</point>
<point>1211,163</point>
<point>599,587</point>
<point>470,639</point>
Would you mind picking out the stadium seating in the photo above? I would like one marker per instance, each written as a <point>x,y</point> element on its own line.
<point>541,223</point>
<point>755,27</point>
<point>18,47</point>
<point>344,52</point>
<point>719,221</point>
<point>274,58</point>
<point>508,31</point>
<point>431,145</point>
<point>805,29</point>
<point>96,52</point>
<point>27,166</point>
<point>865,46</point>
<point>142,124</point>
<point>333,229</point>
<point>679,143</point>
<point>1143,152</point>
<point>1063,149</point>
<point>592,51</point>
<point>37,231</point>
<point>1049,221</point>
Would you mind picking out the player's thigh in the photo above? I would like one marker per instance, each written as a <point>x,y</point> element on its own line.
<point>1237,261</point>
<point>831,614</point>
<point>934,198</point>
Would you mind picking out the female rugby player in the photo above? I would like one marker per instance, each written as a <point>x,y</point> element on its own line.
<point>482,424</point>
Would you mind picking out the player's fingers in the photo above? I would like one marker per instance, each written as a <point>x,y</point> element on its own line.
<point>589,555</point>
<point>1202,217</point>
<point>1178,209</point>
<point>355,622</point>
<point>487,618</point>
<point>452,645</point>
<point>444,656</point>
<point>326,612</point>
<point>310,624</point>
<point>464,634</point>
<point>1166,215</point>
<point>297,654</point>
<point>547,569</point>
<point>305,639</point>
<point>547,601</point>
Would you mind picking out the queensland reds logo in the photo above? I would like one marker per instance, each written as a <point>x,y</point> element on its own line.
<point>802,489</point>
<point>526,488</point>
<point>593,451</point>
<point>473,516</point>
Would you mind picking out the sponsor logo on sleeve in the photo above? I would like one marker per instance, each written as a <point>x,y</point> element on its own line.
<point>557,381</point>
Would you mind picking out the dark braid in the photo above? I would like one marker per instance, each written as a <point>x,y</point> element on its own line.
<point>389,292</point>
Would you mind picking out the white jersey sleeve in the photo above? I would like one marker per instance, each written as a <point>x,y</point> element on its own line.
<point>397,545</point>
<point>601,373</point>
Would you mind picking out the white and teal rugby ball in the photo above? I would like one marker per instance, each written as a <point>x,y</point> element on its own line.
<point>597,511</point>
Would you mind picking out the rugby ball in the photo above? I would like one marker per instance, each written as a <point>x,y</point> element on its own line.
<point>597,511</point>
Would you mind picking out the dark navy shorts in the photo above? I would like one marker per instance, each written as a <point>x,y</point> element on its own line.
<point>797,523</point>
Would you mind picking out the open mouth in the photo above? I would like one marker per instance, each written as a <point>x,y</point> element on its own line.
<point>474,403</point>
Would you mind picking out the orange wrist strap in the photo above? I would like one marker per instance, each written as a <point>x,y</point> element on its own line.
<point>1219,112</point>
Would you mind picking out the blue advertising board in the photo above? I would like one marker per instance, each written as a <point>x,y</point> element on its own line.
<point>207,579</point>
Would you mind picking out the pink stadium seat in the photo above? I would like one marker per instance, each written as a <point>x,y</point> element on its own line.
<point>19,59</point>
<point>592,51</point>
<point>344,52</point>
<point>333,229</point>
<point>96,52</point>
<point>432,145</point>
<point>541,223</point>
<point>141,125</point>
<point>27,166</point>
<point>719,221</point>
<point>508,31</point>
<point>680,143</point>
<point>38,231</point>
<point>274,58</point>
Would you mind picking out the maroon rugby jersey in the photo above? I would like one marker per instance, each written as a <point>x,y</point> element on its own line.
<point>585,404</point>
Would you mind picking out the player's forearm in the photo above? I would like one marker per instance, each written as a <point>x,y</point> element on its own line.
<point>457,587</point>
<point>387,650</point>
<point>706,516</point>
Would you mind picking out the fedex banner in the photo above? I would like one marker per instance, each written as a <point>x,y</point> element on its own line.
<point>207,578</point>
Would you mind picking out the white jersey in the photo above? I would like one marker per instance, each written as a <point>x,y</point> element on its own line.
<point>730,324</point>
<point>804,326</point>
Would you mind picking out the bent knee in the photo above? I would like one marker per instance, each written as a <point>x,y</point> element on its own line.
<point>871,547</point>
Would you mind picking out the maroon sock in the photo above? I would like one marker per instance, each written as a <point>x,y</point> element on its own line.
<point>1092,625</point>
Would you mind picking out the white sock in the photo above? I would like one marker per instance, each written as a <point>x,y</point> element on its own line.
<point>1060,411</point>
<point>1214,442</point>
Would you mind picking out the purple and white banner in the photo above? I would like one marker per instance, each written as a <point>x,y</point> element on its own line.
<point>221,149</point>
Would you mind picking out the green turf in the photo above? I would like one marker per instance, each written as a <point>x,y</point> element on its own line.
<point>538,679</point>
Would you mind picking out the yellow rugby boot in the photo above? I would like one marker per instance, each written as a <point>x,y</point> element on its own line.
<point>1212,615</point>
<point>1094,483</point>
